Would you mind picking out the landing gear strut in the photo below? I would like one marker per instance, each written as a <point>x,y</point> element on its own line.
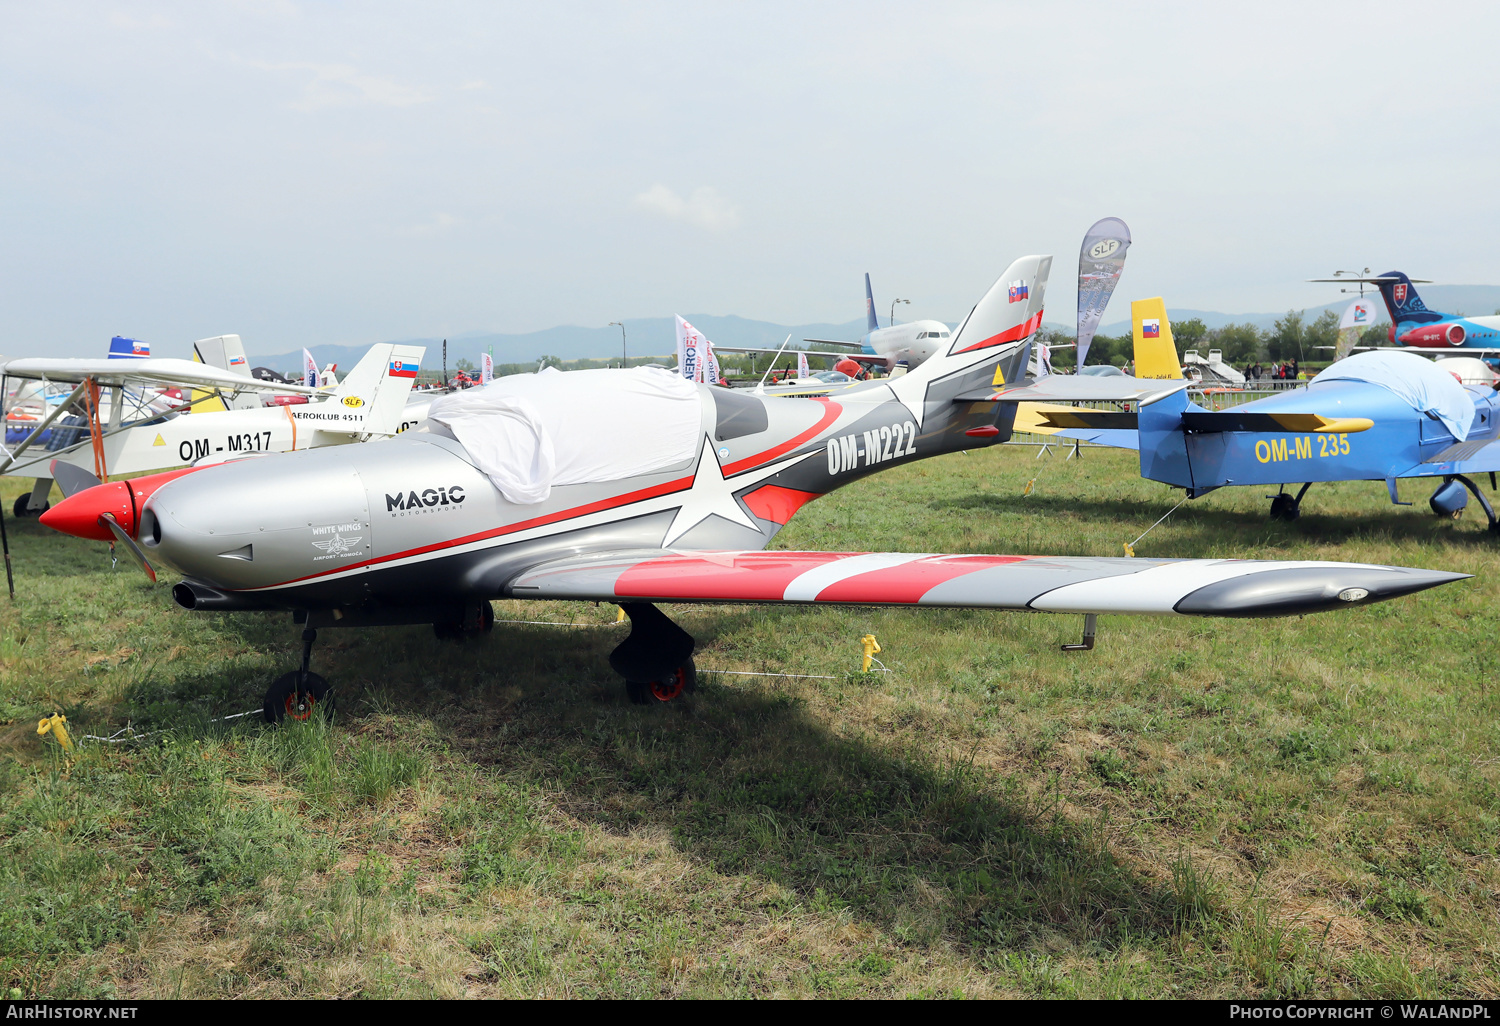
<point>656,660</point>
<point>1445,504</point>
<point>1284,507</point>
<point>301,693</point>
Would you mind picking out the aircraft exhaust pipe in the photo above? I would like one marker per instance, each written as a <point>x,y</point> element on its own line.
<point>201,598</point>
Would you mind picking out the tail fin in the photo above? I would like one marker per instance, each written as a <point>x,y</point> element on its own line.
<point>225,352</point>
<point>377,388</point>
<point>1155,352</point>
<point>872,322</point>
<point>987,348</point>
<point>122,348</point>
<point>1402,301</point>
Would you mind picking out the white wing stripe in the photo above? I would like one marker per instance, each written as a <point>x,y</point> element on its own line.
<point>806,587</point>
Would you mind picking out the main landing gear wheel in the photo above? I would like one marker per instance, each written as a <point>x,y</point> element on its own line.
<point>1285,506</point>
<point>22,508</point>
<point>681,681</point>
<point>298,696</point>
<point>477,618</point>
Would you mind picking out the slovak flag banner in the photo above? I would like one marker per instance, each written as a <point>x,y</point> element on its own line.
<point>309,370</point>
<point>1150,327</point>
<point>1018,291</point>
<point>403,368</point>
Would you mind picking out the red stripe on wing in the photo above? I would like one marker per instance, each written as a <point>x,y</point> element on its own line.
<point>1015,334</point>
<point>906,584</point>
<point>741,577</point>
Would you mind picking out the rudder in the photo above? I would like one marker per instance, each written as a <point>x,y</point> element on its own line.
<point>1155,352</point>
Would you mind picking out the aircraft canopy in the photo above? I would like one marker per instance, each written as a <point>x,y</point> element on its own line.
<point>529,432</point>
<point>1420,382</point>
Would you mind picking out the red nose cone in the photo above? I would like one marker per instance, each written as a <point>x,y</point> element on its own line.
<point>79,513</point>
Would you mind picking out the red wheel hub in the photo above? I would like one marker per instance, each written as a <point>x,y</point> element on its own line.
<point>299,705</point>
<point>666,690</point>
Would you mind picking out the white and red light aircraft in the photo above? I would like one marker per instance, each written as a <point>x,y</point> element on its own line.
<point>638,487</point>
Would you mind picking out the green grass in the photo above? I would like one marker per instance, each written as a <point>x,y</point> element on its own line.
<point>1277,808</point>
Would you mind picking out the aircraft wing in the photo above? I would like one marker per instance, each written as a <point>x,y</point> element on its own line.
<point>1076,388</point>
<point>1205,587</point>
<point>155,371</point>
<point>867,357</point>
<point>1233,420</point>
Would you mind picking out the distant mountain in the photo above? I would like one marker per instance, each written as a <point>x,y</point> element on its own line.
<point>647,336</point>
<point>656,336</point>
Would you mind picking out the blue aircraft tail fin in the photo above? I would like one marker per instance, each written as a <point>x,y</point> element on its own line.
<point>872,322</point>
<point>1402,301</point>
<point>122,348</point>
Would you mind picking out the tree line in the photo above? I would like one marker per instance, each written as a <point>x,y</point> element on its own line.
<point>1293,337</point>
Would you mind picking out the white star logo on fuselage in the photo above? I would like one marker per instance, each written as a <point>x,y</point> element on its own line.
<point>713,495</point>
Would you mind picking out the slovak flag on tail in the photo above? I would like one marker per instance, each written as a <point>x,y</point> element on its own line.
<point>1150,327</point>
<point>404,367</point>
<point>1019,291</point>
<point>122,348</point>
<point>309,370</point>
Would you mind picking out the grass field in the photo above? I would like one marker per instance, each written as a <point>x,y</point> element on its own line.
<point>1300,807</point>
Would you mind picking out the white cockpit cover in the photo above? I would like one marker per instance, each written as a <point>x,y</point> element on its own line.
<point>1420,382</point>
<point>529,432</point>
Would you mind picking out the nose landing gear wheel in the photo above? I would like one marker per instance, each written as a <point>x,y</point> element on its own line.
<point>681,681</point>
<point>298,696</point>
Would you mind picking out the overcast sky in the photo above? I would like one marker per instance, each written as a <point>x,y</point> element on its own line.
<point>306,173</point>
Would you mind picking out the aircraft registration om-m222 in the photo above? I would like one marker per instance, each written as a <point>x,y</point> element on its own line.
<point>412,530</point>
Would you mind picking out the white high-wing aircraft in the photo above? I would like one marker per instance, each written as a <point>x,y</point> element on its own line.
<point>911,342</point>
<point>117,419</point>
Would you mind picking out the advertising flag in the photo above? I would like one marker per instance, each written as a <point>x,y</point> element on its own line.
<point>1100,262</point>
<point>802,371</point>
<point>690,346</point>
<point>309,370</point>
<point>711,363</point>
<point>486,368</point>
<point>1358,316</point>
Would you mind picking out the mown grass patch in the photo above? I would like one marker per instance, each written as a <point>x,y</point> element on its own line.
<point>1303,807</point>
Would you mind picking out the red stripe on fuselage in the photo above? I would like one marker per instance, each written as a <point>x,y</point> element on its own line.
<point>749,577</point>
<point>1015,334</point>
<point>830,414</point>
<point>907,583</point>
<point>680,485</point>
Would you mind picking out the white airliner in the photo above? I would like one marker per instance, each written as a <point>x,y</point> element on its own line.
<point>912,342</point>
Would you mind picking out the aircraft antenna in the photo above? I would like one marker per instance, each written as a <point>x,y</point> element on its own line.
<point>761,388</point>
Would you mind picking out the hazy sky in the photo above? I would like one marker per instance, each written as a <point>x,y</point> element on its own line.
<point>326,172</point>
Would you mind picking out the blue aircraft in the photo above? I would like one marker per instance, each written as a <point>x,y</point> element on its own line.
<point>1415,326</point>
<point>1375,416</point>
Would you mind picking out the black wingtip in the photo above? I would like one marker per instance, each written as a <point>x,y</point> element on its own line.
<point>1299,590</point>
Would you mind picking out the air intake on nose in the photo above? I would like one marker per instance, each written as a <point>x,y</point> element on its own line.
<point>245,552</point>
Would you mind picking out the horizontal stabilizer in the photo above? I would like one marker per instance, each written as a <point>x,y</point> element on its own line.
<point>1080,388</point>
<point>1313,423</point>
<point>1201,587</point>
<point>1083,418</point>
